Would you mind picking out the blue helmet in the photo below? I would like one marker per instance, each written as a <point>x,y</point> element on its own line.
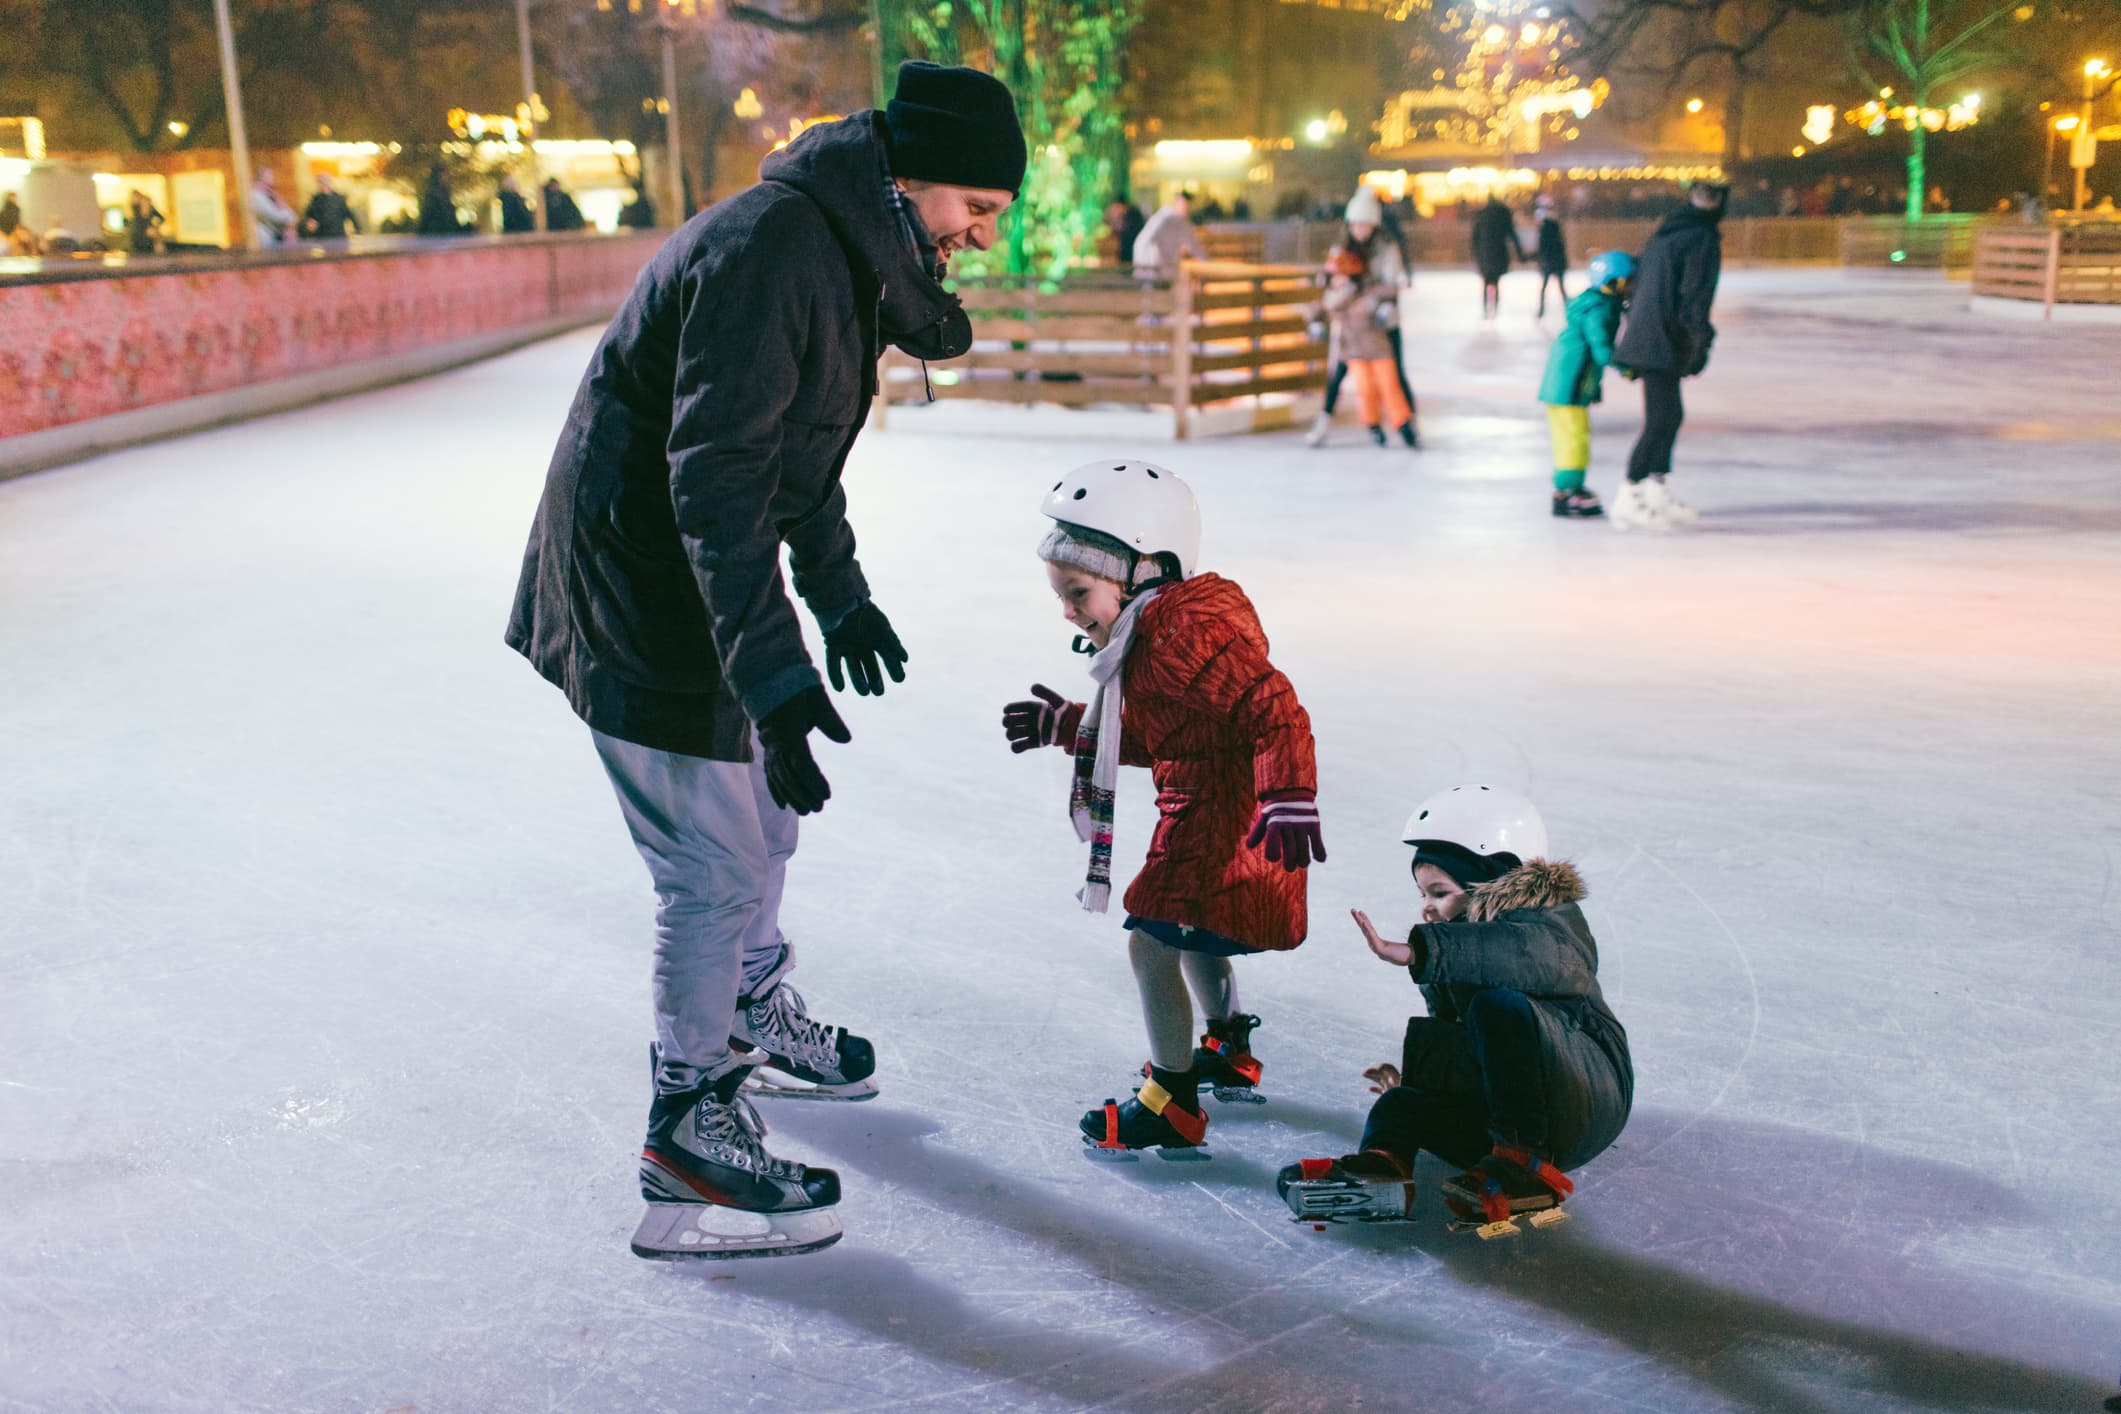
<point>1610,265</point>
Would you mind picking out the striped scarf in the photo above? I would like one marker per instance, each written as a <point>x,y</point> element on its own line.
<point>1090,795</point>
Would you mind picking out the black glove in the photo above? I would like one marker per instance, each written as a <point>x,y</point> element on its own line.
<point>865,645</point>
<point>792,775</point>
<point>1034,723</point>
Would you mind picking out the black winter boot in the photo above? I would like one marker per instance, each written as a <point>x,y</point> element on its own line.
<point>1224,1060</point>
<point>1164,1114</point>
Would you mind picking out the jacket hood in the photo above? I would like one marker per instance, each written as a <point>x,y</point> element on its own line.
<point>843,167</point>
<point>1690,217</point>
<point>1536,883</point>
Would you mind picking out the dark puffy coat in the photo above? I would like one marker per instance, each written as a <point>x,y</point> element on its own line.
<point>711,429</point>
<point>1495,240</point>
<point>1525,932</point>
<point>516,215</point>
<point>1220,729</point>
<point>561,213</point>
<point>1668,328</point>
<point>328,217</point>
<point>1553,248</point>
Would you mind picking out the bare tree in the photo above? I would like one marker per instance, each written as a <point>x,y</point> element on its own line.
<point>1679,41</point>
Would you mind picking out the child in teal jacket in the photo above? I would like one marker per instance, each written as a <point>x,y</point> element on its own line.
<point>1575,369</point>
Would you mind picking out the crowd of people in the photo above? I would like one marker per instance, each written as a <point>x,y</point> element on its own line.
<point>327,216</point>
<point>1646,316</point>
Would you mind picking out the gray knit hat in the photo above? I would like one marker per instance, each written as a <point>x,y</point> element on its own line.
<point>1090,551</point>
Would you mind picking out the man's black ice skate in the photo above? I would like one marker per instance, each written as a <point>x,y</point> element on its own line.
<point>1509,1181</point>
<point>794,1057</point>
<point>1408,435</point>
<point>1156,1118</point>
<point>1369,1187</point>
<point>714,1191</point>
<point>1225,1063</point>
<point>1580,504</point>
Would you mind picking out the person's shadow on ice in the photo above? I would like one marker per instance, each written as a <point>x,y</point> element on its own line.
<point>1790,1210</point>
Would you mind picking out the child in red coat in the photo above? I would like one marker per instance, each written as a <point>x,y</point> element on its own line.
<point>1184,688</point>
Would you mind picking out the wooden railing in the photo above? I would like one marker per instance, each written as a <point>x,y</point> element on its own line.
<point>1944,242</point>
<point>1223,331</point>
<point>2077,263</point>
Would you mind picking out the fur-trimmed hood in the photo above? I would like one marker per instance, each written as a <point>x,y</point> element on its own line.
<point>1536,883</point>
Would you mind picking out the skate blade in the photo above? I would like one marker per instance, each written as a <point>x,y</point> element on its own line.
<point>1467,1221</point>
<point>676,1230</point>
<point>1339,1204</point>
<point>1098,1154</point>
<point>1238,1095</point>
<point>770,1083</point>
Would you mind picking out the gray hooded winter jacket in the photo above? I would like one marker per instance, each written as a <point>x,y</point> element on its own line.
<point>710,430</point>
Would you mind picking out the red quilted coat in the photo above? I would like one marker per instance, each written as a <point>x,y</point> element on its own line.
<point>1219,728</point>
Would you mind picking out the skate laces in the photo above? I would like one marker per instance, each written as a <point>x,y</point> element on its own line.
<point>735,1123</point>
<point>808,1041</point>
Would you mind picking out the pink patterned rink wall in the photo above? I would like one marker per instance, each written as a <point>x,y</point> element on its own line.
<point>78,349</point>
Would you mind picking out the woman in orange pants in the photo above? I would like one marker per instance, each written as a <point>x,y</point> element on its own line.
<point>1360,306</point>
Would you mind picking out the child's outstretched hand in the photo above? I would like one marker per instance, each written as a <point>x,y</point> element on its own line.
<point>1034,722</point>
<point>1398,954</point>
<point>1382,1077</point>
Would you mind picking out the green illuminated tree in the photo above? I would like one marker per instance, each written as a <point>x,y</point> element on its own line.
<point>1923,47</point>
<point>1063,60</point>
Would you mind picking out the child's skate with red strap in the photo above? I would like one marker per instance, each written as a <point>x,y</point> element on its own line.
<point>1369,1187</point>
<point>1487,1197</point>
<point>1225,1063</point>
<point>1164,1115</point>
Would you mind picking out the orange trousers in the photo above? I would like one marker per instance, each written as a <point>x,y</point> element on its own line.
<point>1377,392</point>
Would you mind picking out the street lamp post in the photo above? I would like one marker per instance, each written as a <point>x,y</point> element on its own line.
<point>238,141</point>
<point>666,22</point>
<point>2047,168</point>
<point>2094,70</point>
<point>529,125</point>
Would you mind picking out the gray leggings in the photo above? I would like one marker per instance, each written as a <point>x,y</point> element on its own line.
<point>1163,973</point>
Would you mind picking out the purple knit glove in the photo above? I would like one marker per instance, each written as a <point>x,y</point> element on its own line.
<point>1287,826</point>
<point>1034,723</point>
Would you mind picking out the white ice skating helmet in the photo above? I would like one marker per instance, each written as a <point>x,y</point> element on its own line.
<point>1484,819</point>
<point>1140,504</point>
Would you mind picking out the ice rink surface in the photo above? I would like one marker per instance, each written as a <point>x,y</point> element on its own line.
<point>324,953</point>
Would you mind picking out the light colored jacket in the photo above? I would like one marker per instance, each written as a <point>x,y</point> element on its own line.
<point>1167,238</point>
<point>273,219</point>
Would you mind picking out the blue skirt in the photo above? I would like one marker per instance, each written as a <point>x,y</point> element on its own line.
<point>1178,935</point>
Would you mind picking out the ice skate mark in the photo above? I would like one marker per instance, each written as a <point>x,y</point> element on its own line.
<point>1752,986</point>
<point>1220,1203</point>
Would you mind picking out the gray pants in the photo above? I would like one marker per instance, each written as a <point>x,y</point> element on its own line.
<point>717,849</point>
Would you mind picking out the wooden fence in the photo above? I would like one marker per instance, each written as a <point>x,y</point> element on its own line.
<point>1222,331</point>
<point>2058,264</point>
<point>1944,242</point>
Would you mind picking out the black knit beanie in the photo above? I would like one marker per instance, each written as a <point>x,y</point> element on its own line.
<point>954,126</point>
<point>1469,869</point>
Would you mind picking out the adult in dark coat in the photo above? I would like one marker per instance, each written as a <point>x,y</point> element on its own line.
<point>438,206</point>
<point>327,217</point>
<point>1667,338</point>
<point>1126,221</point>
<point>1494,243</point>
<point>1553,254</point>
<point>708,433</point>
<point>516,215</point>
<point>561,213</point>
